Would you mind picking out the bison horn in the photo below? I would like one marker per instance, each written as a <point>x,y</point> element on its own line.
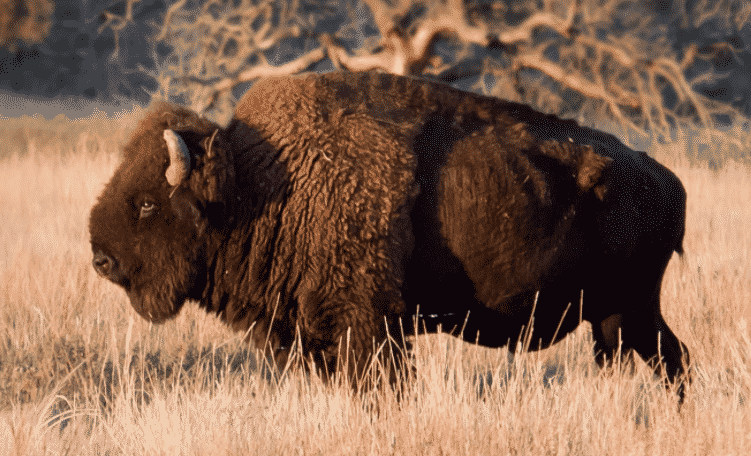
<point>179,158</point>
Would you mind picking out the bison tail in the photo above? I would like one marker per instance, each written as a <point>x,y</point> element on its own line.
<point>679,245</point>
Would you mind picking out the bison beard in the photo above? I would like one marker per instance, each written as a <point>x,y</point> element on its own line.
<point>333,206</point>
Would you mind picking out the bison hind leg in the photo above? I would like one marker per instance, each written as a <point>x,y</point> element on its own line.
<point>618,336</point>
<point>610,352</point>
<point>662,350</point>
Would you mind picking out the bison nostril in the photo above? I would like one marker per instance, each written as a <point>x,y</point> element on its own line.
<point>104,264</point>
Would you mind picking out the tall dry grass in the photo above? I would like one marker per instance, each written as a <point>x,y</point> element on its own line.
<point>80,373</point>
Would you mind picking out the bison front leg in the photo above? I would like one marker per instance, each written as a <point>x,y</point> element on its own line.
<point>357,345</point>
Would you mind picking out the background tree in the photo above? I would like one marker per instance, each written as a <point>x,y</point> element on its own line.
<point>587,58</point>
<point>75,61</point>
<point>26,21</point>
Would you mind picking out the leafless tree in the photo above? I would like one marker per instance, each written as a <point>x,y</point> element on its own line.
<point>589,57</point>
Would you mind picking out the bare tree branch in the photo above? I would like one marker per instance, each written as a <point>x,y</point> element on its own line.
<point>523,32</point>
<point>572,81</point>
<point>172,10</point>
<point>117,23</point>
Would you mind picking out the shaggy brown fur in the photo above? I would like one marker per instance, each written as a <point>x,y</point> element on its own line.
<point>335,205</point>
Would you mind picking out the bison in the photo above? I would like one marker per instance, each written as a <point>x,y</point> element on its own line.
<point>336,207</point>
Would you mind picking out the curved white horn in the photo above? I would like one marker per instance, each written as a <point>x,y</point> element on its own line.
<point>179,158</point>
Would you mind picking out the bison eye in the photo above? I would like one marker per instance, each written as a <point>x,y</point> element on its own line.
<point>147,208</point>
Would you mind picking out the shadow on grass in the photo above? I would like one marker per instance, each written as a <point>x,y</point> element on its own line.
<point>552,373</point>
<point>80,378</point>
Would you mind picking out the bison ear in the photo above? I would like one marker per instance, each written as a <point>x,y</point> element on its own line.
<point>186,207</point>
<point>213,179</point>
<point>591,169</point>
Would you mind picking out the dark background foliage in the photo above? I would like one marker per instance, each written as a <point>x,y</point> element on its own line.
<point>106,51</point>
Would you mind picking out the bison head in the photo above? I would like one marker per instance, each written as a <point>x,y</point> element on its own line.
<point>150,226</point>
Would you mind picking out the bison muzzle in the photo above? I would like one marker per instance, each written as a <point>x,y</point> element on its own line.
<point>333,207</point>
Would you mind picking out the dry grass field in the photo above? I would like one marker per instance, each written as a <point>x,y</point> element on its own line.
<point>81,373</point>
